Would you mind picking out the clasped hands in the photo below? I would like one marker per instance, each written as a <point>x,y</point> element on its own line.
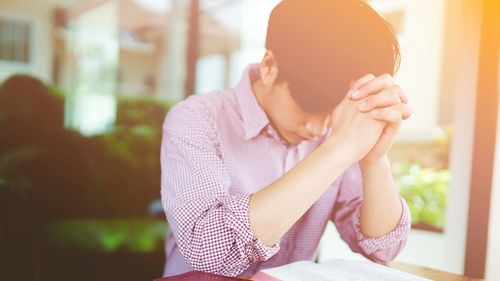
<point>369,118</point>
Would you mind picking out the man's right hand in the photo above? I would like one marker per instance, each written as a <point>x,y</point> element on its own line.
<point>356,132</point>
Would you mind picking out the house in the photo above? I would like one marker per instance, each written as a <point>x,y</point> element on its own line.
<point>97,50</point>
<point>50,41</point>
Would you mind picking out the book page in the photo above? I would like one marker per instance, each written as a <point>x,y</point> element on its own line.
<point>297,271</point>
<point>337,269</point>
<point>365,271</point>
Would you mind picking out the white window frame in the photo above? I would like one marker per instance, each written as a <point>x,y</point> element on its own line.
<point>31,39</point>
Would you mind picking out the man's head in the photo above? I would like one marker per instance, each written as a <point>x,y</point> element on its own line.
<point>315,49</point>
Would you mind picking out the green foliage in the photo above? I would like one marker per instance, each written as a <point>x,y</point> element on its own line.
<point>66,175</point>
<point>133,235</point>
<point>136,138</point>
<point>84,193</point>
<point>57,92</point>
<point>10,174</point>
<point>425,190</point>
<point>129,156</point>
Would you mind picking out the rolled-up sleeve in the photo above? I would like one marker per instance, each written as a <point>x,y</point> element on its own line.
<point>211,226</point>
<point>346,217</point>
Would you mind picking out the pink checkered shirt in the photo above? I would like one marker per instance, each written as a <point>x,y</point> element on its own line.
<point>217,150</point>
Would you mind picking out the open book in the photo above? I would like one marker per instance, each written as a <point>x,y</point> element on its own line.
<point>333,270</point>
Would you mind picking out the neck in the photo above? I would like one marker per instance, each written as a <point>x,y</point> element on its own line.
<point>261,93</point>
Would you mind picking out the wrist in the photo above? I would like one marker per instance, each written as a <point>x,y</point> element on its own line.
<point>378,163</point>
<point>335,148</point>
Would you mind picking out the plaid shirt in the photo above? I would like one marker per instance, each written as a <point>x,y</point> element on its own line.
<point>217,150</point>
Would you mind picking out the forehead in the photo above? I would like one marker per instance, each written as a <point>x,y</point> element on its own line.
<point>311,101</point>
<point>309,114</point>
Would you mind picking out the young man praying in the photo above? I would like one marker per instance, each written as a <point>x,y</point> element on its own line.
<point>251,175</point>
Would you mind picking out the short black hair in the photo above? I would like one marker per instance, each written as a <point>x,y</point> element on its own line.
<point>322,45</point>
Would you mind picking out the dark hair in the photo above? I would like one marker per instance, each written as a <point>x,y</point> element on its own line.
<point>322,45</point>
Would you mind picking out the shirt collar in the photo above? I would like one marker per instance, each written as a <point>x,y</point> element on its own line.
<point>253,116</point>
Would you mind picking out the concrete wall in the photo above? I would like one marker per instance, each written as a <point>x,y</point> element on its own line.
<point>134,69</point>
<point>421,61</point>
<point>493,251</point>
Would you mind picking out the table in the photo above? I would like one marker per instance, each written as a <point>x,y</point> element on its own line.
<point>425,272</point>
<point>430,273</point>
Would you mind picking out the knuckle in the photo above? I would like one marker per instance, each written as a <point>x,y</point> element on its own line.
<point>404,97</point>
<point>408,111</point>
<point>363,80</point>
<point>367,104</point>
<point>388,98</point>
<point>394,98</point>
<point>387,78</point>
<point>396,118</point>
<point>398,89</point>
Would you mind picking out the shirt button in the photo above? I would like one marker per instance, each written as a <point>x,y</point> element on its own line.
<point>269,131</point>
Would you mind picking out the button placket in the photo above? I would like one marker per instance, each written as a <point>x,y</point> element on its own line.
<point>289,160</point>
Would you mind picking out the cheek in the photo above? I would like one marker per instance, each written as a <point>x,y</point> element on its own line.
<point>292,120</point>
<point>288,115</point>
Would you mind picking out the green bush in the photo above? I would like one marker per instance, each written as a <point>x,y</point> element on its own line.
<point>64,174</point>
<point>425,190</point>
<point>133,235</point>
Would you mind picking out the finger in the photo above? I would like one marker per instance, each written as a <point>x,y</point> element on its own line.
<point>386,98</point>
<point>356,84</point>
<point>404,110</point>
<point>387,114</point>
<point>392,129</point>
<point>373,87</point>
<point>402,95</point>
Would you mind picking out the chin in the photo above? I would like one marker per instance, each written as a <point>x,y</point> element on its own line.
<point>294,139</point>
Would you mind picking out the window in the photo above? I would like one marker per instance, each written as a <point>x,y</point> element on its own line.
<point>15,39</point>
<point>421,154</point>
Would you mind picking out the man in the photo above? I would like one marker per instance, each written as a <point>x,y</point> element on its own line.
<point>251,175</point>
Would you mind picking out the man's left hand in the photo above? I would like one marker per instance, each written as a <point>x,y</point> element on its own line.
<point>386,102</point>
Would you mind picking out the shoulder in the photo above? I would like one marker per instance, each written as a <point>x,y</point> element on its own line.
<point>199,113</point>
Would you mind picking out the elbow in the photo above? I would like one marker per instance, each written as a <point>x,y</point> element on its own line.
<point>386,255</point>
<point>200,261</point>
<point>206,267</point>
<point>215,263</point>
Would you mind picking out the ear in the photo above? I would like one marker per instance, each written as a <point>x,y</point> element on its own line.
<point>269,69</point>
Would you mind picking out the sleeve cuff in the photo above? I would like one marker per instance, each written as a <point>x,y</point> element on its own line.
<point>239,222</point>
<point>371,245</point>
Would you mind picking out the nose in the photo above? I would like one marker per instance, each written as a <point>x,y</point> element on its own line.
<point>316,128</point>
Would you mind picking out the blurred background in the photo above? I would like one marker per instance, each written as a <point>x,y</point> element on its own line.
<point>89,83</point>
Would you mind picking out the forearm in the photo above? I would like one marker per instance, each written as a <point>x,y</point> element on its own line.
<point>275,208</point>
<point>381,209</point>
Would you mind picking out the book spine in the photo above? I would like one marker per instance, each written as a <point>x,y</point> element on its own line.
<point>262,276</point>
